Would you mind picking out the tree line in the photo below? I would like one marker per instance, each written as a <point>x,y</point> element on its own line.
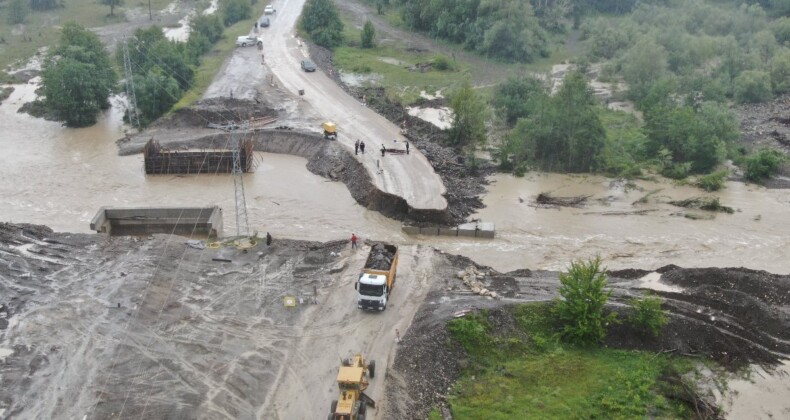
<point>79,75</point>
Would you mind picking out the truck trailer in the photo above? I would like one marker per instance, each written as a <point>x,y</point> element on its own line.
<point>377,277</point>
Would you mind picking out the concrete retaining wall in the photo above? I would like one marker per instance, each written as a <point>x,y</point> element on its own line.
<point>472,230</point>
<point>188,221</point>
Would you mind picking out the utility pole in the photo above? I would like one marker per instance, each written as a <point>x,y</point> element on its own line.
<point>134,113</point>
<point>150,16</point>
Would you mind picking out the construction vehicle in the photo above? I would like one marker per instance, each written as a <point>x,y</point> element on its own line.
<point>352,381</point>
<point>330,130</point>
<point>377,277</point>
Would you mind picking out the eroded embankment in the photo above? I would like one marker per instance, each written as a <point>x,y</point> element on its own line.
<point>324,158</point>
<point>734,316</point>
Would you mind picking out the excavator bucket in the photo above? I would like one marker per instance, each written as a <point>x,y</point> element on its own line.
<point>367,400</point>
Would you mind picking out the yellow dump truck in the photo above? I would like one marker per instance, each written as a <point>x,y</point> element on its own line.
<point>352,381</point>
<point>330,130</point>
<point>377,278</point>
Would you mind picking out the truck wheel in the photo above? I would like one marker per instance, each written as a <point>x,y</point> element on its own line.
<point>334,407</point>
<point>361,417</point>
<point>330,417</point>
<point>372,368</point>
<point>243,44</point>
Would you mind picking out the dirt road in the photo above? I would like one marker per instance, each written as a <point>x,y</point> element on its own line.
<point>410,177</point>
<point>95,327</point>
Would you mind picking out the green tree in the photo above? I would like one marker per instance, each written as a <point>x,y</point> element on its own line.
<point>643,64</point>
<point>78,77</point>
<point>156,93</point>
<point>578,124</point>
<point>322,22</point>
<point>648,315</point>
<point>780,71</point>
<point>113,4</point>
<point>209,26</point>
<point>752,86</point>
<point>368,35</point>
<point>235,10</point>
<point>17,11</point>
<point>781,29</point>
<point>584,298</point>
<point>519,98</point>
<point>469,117</point>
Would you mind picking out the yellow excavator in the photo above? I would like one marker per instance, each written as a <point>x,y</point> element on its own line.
<point>352,381</point>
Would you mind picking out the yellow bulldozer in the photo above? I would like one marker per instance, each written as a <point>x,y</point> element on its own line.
<point>352,379</point>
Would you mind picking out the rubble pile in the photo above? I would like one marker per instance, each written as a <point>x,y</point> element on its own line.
<point>472,279</point>
<point>380,258</point>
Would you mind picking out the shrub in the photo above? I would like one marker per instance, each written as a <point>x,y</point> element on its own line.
<point>470,331</point>
<point>322,22</point>
<point>752,86</point>
<point>763,164</point>
<point>677,170</point>
<point>581,308</point>
<point>712,182</point>
<point>368,35</point>
<point>442,63</point>
<point>648,315</point>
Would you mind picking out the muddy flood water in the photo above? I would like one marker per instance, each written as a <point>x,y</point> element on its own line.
<point>60,177</point>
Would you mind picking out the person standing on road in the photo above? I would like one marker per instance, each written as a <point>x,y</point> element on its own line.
<point>383,150</point>
<point>407,147</point>
<point>397,335</point>
<point>353,241</point>
<point>362,147</point>
<point>268,239</point>
<point>356,147</point>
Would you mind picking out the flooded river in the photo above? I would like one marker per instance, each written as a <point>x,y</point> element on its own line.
<point>60,177</point>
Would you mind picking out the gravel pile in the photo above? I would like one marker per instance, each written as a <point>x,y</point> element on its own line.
<point>380,258</point>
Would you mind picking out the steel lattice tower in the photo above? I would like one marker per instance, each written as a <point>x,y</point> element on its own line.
<point>134,114</point>
<point>242,227</point>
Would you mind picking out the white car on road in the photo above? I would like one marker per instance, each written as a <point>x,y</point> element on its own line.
<point>248,41</point>
<point>268,10</point>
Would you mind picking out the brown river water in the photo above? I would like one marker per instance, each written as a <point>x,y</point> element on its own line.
<point>60,177</point>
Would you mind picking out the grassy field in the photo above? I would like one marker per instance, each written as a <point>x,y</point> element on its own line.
<point>40,29</point>
<point>538,377</point>
<point>387,66</point>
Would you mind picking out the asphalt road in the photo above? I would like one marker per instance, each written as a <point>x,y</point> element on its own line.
<point>408,176</point>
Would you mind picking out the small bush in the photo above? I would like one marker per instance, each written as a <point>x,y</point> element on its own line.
<point>752,86</point>
<point>470,331</point>
<point>763,164</point>
<point>648,315</point>
<point>712,182</point>
<point>442,63</point>
<point>583,300</point>
<point>677,170</point>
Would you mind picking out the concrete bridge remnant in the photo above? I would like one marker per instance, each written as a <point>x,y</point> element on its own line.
<point>161,161</point>
<point>185,221</point>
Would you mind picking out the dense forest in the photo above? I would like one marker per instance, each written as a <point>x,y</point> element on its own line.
<point>683,63</point>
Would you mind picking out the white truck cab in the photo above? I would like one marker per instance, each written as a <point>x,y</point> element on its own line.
<point>372,291</point>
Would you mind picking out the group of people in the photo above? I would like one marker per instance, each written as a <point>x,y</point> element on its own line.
<point>359,146</point>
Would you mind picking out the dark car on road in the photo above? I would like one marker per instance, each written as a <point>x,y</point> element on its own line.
<point>265,22</point>
<point>308,65</point>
